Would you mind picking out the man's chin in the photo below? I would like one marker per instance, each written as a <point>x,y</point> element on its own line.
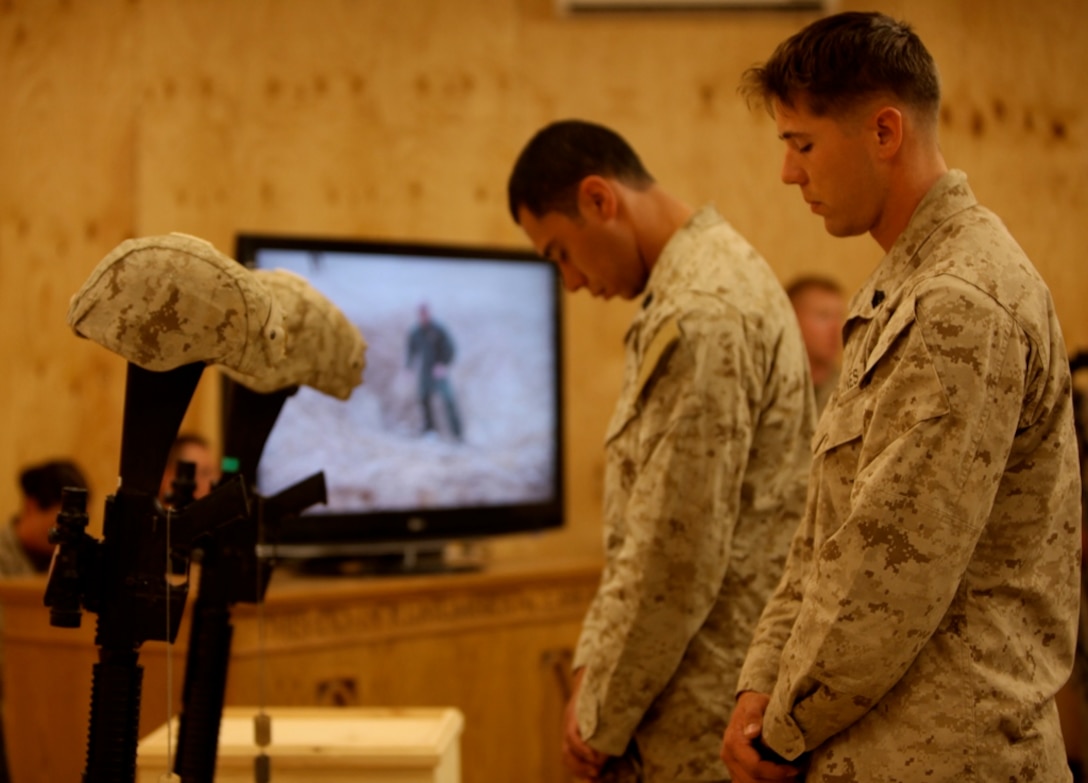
<point>841,231</point>
<point>627,296</point>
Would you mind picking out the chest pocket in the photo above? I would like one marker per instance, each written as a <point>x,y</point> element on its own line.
<point>841,423</point>
<point>888,389</point>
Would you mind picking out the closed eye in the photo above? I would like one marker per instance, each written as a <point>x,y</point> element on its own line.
<point>798,141</point>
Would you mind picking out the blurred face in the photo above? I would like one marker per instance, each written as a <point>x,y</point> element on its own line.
<point>206,474</point>
<point>206,471</point>
<point>593,253</point>
<point>34,524</point>
<point>831,161</point>
<point>820,314</point>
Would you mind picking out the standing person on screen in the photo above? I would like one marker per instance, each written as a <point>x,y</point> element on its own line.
<point>928,612</point>
<point>430,348</point>
<point>707,453</point>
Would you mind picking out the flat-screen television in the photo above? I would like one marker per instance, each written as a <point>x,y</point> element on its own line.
<point>456,430</point>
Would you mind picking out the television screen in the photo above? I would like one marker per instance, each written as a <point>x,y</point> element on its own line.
<point>455,431</point>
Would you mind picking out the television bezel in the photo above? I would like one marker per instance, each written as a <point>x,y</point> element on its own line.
<point>327,534</point>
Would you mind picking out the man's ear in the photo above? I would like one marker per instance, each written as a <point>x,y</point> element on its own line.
<point>888,125</point>
<point>597,197</point>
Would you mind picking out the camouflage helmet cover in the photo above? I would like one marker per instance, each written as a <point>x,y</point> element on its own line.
<point>324,349</point>
<point>173,299</point>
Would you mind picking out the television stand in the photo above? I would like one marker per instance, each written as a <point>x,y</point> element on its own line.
<point>407,560</point>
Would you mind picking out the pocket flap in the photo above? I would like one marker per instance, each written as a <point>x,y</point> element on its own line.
<point>656,354</point>
<point>841,425</point>
<point>902,318</point>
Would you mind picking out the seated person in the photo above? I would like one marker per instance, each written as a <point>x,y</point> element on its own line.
<point>24,544</point>
<point>194,448</point>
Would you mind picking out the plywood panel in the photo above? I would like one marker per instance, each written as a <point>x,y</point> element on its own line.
<point>66,196</point>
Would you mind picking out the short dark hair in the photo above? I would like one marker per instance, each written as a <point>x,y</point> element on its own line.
<point>551,166</point>
<point>185,439</point>
<point>808,282</point>
<point>838,61</point>
<point>44,482</point>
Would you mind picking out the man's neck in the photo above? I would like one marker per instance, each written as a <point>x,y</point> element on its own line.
<point>821,373</point>
<point>656,216</point>
<point>912,177</point>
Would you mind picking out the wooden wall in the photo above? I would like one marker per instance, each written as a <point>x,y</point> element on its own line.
<point>401,119</point>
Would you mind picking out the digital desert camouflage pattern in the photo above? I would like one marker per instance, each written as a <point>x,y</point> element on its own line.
<point>13,557</point>
<point>13,562</point>
<point>932,589</point>
<point>707,458</point>
<point>324,350</point>
<point>169,300</point>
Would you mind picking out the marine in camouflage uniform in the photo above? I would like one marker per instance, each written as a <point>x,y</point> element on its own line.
<point>928,614</point>
<point>707,454</point>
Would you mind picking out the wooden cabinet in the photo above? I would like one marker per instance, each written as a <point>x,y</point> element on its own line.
<point>495,644</point>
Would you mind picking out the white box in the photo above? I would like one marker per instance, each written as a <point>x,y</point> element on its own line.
<point>330,745</point>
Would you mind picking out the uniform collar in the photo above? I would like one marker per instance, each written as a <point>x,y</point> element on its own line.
<point>949,195</point>
<point>677,249</point>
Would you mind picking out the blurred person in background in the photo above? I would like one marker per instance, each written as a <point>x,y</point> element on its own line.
<point>24,543</point>
<point>194,448</point>
<point>820,305</point>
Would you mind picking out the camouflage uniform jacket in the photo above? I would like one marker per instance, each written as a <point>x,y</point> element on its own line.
<point>932,588</point>
<point>707,458</point>
<point>14,560</point>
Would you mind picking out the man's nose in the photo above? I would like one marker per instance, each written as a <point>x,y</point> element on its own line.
<point>792,173</point>
<point>572,278</point>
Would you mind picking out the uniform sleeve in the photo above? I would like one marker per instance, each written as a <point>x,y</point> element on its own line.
<point>935,415</point>
<point>761,662</point>
<point>694,430</point>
